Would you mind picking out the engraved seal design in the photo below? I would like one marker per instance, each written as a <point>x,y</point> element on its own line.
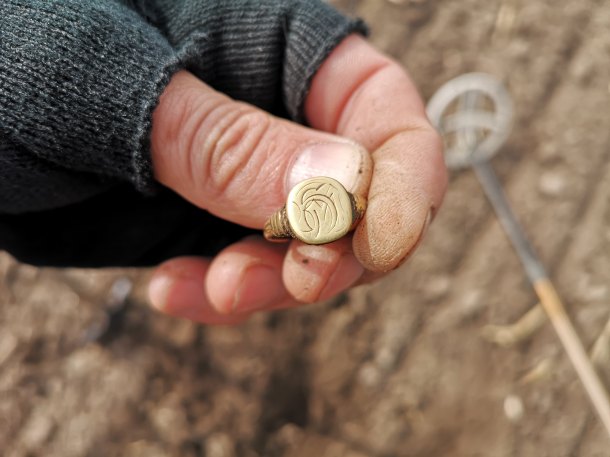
<point>319,210</point>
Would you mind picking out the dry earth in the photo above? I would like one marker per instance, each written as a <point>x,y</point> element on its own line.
<point>400,368</point>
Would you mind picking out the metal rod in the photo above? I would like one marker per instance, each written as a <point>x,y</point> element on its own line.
<point>480,134</point>
<point>495,194</point>
<point>549,298</point>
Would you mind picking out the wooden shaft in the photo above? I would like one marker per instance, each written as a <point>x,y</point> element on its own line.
<point>551,302</point>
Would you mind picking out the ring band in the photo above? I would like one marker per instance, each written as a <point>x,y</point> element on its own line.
<point>317,211</point>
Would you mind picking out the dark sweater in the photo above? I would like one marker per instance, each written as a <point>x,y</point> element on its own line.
<point>79,80</point>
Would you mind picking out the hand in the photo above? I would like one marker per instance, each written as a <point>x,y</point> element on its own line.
<point>239,163</point>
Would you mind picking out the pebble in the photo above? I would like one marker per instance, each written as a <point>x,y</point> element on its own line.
<point>219,445</point>
<point>119,291</point>
<point>37,430</point>
<point>171,423</point>
<point>552,183</point>
<point>513,408</point>
<point>369,375</point>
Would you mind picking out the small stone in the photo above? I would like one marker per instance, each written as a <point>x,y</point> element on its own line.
<point>119,291</point>
<point>552,184</point>
<point>170,420</point>
<point>37,430</point>
<point>219,445</point>
<point>369,375</point>
<point>513,408</point>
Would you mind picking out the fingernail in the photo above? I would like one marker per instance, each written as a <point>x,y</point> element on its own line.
<point>341,161</point>
<point>180,297</point>
<point>158,289</point>
<point>348,271</point>
<point>260,287</point>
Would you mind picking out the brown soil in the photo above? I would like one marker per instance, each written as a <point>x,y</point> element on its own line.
<point>400,368</point>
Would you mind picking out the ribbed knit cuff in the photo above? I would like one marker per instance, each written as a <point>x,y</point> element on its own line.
<point>313,33</point>
<point>79,83</point>
<point>263,52</point>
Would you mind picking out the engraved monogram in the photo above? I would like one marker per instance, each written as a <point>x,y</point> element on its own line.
<point>319,210</point>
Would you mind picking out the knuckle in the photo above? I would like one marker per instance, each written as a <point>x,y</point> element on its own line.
<point>233,148</point>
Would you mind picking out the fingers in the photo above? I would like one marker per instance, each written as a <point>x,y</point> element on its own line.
<point>251,275</point>
<point>244,278</point>
<point>247,277</point>
<point>313,273</point>
<point>177,288</point>
<point>362,94</point>
<point>239,162</point>
<point>402,201</point>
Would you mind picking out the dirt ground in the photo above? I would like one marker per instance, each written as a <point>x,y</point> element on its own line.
<point>414,365</point>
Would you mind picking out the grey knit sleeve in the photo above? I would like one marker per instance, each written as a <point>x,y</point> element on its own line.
<point>264,52</point>
<point>78,83</point>
<point>79,80</point>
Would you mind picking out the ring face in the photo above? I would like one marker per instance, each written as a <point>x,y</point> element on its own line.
<point>319,210</point>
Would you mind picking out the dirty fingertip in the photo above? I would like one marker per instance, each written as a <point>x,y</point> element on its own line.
<point>382,244</point>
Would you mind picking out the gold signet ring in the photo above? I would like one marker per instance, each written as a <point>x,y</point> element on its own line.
<point>317,211</point>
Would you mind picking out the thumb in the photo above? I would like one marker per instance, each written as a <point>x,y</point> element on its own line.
<point>239,162</point>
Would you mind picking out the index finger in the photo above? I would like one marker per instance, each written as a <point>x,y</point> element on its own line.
<point>364,95</point>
